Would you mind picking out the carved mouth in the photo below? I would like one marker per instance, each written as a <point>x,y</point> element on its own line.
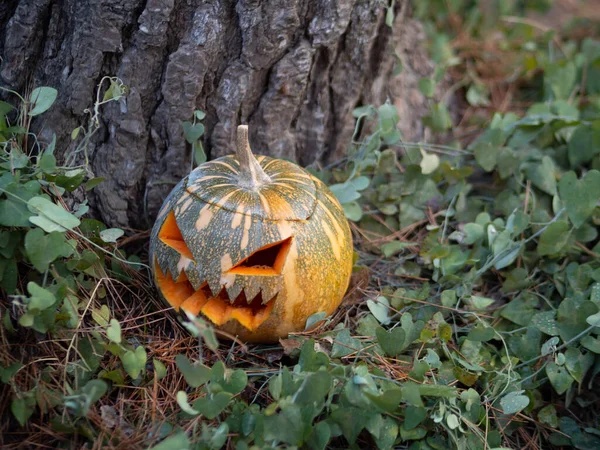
<point>180,294</point>
<point>266,261</point>
<point>244,302</point>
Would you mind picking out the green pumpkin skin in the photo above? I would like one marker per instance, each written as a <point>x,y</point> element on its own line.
<point>223,221</point>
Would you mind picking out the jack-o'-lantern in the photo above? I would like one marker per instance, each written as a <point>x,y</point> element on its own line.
<point>255,245</point>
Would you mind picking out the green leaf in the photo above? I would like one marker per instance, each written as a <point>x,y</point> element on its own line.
<point>92,183</point>
<point>114,92</point>
<point>71,179</point>
<point>42,99</point>
<point>572,317</point>
<point>392,342</point>
<point>380,308</point>
<point>448,298</point>
<point>134,361</point>
<point>561,77</point>
<point>234,381</point>
<point>591,344</point>
<point>481,333</point>
<point>75,133</point>
<point>101,316</point>
<point>195,374</point>
<point>94,390</point>
<point>319,438</point>
<point>6,373</point>
<point>438,119</point>
<point>486,155</point>
<point>22,408</point>
<point>40,299</point>
<point>412,330</point>
<point>429,162</point>
<point>559,377</point>
<point>360,183</point>
<point>594,319</point>
<point>520,310</point>
<point>437,390</point>
<point>199,154</point>
<point>51,217</point>
<point>580,197</point>
<point>14,213</point>
<point>42,249</point>
<point>584,144</point>
<point>411,392</point>
<point>192,132</point>
<point>47,163</point>
<point>427,87</point>
<point>344,344</point>
<point>182,401</point>
<point>387,401</point>
<point>384,430</point>
<point>553,239</point>
<point>547,416</point>
<point>213,405</point>
<point>478,95</point>
<point>546,322</point>
<point>352,211</point>
<point>351,420</point>
<point>314,388</point>
<point>345,192</point>
<point>542,175</point>
<point>113,332</point>
<point>578,363</point>
<point>480,303</point>
<point>414,416</point>
<point>111,235</point>
<point>313,319</point>
<point>452,421</point>
<point>178,441</point>
<point>391,248</point>
<point>159,369</point>
<point>287,426</point>
<point>514,402</point>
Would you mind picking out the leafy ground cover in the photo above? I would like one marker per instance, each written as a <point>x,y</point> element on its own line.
<point>473,316</point>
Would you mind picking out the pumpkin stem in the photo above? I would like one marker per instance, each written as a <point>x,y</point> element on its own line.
<point>251,175</point>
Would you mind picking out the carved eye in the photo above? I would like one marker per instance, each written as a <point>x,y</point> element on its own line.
<point>170,234</point>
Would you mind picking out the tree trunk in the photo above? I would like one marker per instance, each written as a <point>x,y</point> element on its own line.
<point>292,69</point>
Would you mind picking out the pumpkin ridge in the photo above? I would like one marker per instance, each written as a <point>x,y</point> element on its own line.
<point>251,214</point>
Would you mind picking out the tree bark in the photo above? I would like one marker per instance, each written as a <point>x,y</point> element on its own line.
<point>292,69</point>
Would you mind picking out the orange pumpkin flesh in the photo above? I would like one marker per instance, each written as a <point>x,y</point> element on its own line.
<point>181,295</point>
<point>254,245</point>
<point>170,235</point>
<point>268,260</point>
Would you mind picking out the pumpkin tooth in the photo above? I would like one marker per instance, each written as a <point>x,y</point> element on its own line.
<point>165,258</point>
<point>270,288</point>
<point>215,286</point>
<point>235,290</point>
<point>251,292</point>
<point>195,276</point>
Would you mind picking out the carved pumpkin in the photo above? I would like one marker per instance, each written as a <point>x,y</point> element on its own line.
<point>256,245</point>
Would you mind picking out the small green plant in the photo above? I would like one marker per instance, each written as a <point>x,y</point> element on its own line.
<point>52,262</point>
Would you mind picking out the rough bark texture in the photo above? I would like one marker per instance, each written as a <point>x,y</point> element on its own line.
<point>292,69</point>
